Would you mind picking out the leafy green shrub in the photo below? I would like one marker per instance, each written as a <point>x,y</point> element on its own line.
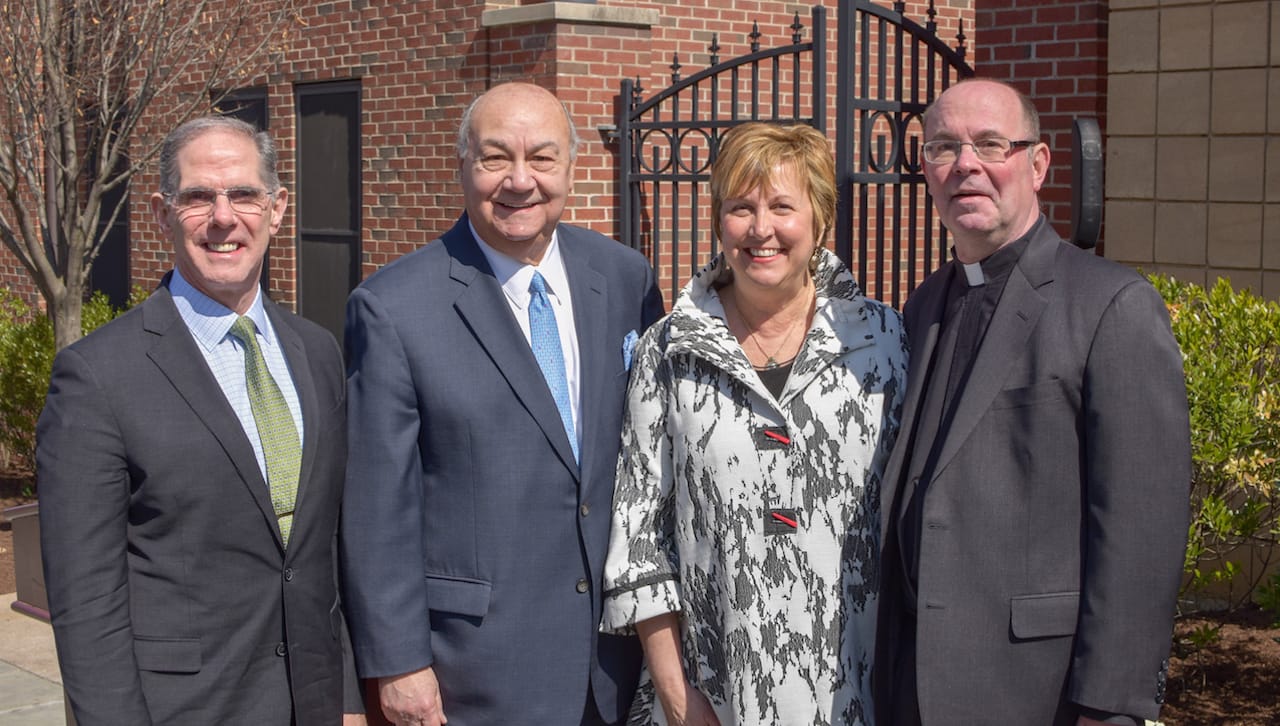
<point>26,360</point>
<point>1231,356</point>
<point>1268,598</point>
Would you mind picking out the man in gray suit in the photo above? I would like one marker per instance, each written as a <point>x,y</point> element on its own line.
<point>190,462</point>
<point>486,380</point>
<point>1034,511</point>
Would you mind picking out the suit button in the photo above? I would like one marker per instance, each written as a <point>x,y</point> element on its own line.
<point>282,649</point>
<point>288,574</point>
<point>583,586</point>
<point>584,510</point>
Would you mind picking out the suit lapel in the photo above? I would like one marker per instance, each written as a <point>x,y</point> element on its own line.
<point>174,352</point>
<point>922,353</point>
<point>1012,323</point>
<point>589,290</point>
<point>482,305</point>
<point>300,370</point>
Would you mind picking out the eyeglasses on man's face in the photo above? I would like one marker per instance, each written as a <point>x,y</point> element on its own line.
<point>991,149</point>
<point>201,200</point>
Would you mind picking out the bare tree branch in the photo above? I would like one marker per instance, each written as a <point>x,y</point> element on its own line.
<point>81,84</point>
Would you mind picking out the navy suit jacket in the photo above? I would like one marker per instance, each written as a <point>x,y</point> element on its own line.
<point>172,595</point>
<point>472,541</point>
<point>1055,517</point>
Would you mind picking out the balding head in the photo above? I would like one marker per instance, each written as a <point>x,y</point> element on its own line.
<point>512,93</point>
<point>985,204</point>
<point>516,152</point>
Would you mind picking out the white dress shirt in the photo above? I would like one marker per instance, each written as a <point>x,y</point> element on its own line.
<point>515,276</point>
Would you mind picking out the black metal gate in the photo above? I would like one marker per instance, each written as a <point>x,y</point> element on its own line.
<point>889,68</point>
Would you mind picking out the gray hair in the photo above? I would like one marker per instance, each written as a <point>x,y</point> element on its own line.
<point>463,144</point>
<point>189,131</point>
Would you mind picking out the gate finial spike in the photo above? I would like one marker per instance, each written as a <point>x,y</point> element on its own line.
<point>796,27</point>
<point>755,36</point>
<point>714,48</point>
<point>960,39</point>
<point>675,67</point>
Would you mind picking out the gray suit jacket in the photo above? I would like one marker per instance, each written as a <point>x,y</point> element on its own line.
<point>173,599</point>
<point>1056,517</point>
<point>472,540</point>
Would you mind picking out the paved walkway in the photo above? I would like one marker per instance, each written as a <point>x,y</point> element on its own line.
<point>30,685</point>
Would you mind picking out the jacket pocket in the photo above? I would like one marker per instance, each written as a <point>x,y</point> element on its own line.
<point>458,595</point>
<point>1032,395</point>
<point>1044,616</point>
<point>167,655</point>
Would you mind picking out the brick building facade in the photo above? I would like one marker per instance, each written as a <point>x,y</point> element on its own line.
<point>367,100</point>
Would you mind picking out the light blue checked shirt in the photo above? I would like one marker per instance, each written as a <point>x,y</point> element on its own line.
<point>210,324</point>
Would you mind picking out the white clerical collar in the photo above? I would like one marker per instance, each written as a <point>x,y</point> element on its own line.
<point>973,273</point>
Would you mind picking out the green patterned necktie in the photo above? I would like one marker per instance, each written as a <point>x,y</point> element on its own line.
<point>276,428</point>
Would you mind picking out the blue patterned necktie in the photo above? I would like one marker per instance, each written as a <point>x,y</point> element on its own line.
<point>276,427</point>
<point>544,337</point>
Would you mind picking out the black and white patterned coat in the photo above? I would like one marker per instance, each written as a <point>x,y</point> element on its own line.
<point>777,622</point>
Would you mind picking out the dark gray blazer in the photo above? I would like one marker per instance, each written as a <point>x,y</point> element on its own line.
<point>1054,524</point>
<point>472,541</point>
<point>173,599</point>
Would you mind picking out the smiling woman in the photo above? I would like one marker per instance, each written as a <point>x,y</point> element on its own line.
<point>758,419</point>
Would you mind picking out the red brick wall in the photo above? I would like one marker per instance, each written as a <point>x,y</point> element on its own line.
<point>1056,52</point>
<point>419,63</point>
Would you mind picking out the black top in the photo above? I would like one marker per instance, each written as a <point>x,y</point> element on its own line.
<point>775,377</point>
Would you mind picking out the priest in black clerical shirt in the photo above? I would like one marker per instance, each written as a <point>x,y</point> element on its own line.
<point>1034,510</point>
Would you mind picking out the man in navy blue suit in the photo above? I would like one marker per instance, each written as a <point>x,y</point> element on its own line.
<point>480,481</point>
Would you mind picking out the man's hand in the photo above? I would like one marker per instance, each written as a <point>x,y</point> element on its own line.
<point>412,699</point>
<point>354,719</point>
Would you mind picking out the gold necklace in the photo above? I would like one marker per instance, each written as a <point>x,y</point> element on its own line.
<point>771,361</point>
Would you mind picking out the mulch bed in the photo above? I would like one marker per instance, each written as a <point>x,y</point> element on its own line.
<point>1233,681</point>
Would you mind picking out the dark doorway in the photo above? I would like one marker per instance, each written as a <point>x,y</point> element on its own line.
<point>110,272</point>
<point>328,200</point>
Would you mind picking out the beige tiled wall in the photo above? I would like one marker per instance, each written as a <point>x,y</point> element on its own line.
<point>1193,145</point>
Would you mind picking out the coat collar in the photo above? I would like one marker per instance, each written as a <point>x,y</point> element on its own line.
<point>841,323</point>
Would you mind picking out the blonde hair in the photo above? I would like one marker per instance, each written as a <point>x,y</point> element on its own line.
<point>749,155</point>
